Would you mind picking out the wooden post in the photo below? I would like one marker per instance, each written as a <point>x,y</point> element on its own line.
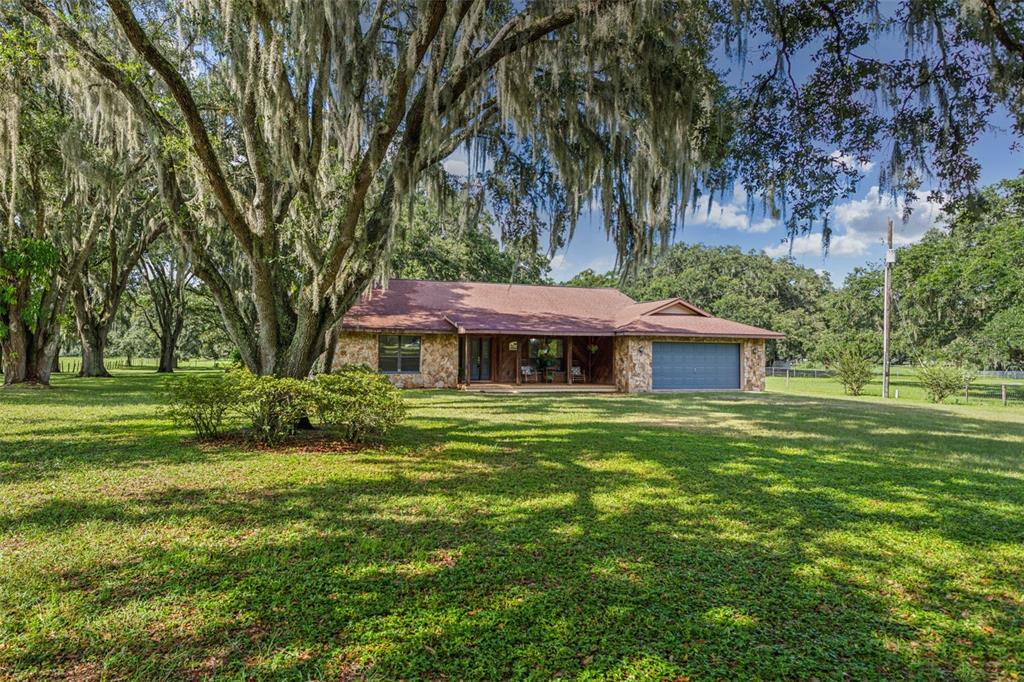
<point>465,358</point>
<point>1003,392</point>
<point>568,364</point>
<point>890,258</point>
<point>519,363</point>
<point>615,378</point>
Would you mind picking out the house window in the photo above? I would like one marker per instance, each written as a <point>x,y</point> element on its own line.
<point>398,354</point>
<point>547,353</point>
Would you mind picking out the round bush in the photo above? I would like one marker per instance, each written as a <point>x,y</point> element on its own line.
<point>274,406</point>
<point>363,403</point>
<point>200,402</point>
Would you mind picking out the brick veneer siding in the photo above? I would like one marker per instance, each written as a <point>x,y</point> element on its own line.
<point>633,358</point>
<point>439,359</point>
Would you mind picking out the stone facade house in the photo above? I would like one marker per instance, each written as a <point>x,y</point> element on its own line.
<point>425,334</point>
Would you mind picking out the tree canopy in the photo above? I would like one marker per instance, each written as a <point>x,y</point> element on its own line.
<point>438,246</point>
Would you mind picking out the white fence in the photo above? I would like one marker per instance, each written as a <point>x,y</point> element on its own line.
<point>797,373</point>
<point>1003,374</point>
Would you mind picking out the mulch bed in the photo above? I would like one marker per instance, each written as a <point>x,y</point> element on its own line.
<point>313,441</point>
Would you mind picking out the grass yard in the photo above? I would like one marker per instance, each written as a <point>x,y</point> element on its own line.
<point>602,537</point>
<point>985,391</point>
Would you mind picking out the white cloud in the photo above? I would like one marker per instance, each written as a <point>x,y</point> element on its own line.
<point>733,215</point>
<point>456,166</point>
<point>803,245</point>
<point>563,268</point>
<point>860,224</point>
<point>847,161</point>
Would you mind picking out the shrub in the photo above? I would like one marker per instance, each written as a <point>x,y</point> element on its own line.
<point>852,368</point>
<point>941,380</point>
<point>200,402</point>
<point>360,401</point>
<point>274,406</point>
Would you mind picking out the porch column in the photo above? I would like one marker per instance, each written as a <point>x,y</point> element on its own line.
<point>519,363</point>
<point>615,377</point>
<point>568,354</point>
<point>465,358</point>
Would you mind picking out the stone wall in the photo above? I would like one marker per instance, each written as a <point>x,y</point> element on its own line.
<point>633,358</point>
<point>753,361</point>
<point>439,359</point>
<point>356,349</point>
<point>632,364</point>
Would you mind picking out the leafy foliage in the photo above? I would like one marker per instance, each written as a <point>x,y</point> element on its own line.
<point>273,405</point>
<point>200,401</point>
<point>296,133</point>
<point>942,380</point>
<point>594,280</point>
<point>364,403</point>
<point>852,368</point>
<point>959,292</point>
<point>438,245</point>
<point>805,133</point>
<point>356,399</point>
<point>24,260</point>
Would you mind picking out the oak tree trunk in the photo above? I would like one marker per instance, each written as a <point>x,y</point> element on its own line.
<point>332,345</point>
<point>168,358</point>
<point>28,356</point>
<point>94,346</point>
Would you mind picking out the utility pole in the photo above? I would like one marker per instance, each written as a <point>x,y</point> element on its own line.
<point>890,259</point>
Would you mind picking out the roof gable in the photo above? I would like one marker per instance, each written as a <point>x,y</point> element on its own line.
<point>677,306</point>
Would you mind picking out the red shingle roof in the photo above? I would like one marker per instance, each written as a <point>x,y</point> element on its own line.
<point>476,307</point>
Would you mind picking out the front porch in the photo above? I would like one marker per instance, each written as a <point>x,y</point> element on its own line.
<point>542,363</point>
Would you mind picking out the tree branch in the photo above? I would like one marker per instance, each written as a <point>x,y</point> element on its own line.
<point>187,105</point>
<point>999,29</point>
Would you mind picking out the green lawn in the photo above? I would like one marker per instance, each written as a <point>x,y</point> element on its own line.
<point>602,537</point>
<point>984,391</point>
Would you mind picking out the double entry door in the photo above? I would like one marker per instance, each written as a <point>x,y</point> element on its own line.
<point>480,358</point>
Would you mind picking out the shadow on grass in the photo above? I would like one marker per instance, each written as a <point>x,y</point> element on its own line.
<point>653,536</point>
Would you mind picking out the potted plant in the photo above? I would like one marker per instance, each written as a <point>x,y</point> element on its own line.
<point>543,360</point>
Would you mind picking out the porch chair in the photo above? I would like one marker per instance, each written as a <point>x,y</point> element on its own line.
<point>577,374</point>
<point>529,374</point>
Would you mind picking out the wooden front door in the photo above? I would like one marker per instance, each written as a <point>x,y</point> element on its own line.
<point>480,358</point>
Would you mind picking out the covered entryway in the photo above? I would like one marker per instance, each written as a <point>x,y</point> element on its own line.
<point>533,360</point>
<point>695,366</point>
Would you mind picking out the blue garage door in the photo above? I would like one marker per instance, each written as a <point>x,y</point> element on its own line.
<point>696,366</point>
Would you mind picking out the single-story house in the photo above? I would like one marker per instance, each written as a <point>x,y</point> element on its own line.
<point>445,334</point>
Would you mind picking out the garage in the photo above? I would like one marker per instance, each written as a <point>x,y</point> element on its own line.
<point>695,366</point>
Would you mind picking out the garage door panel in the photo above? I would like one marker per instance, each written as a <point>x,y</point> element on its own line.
<point>693,366</point>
